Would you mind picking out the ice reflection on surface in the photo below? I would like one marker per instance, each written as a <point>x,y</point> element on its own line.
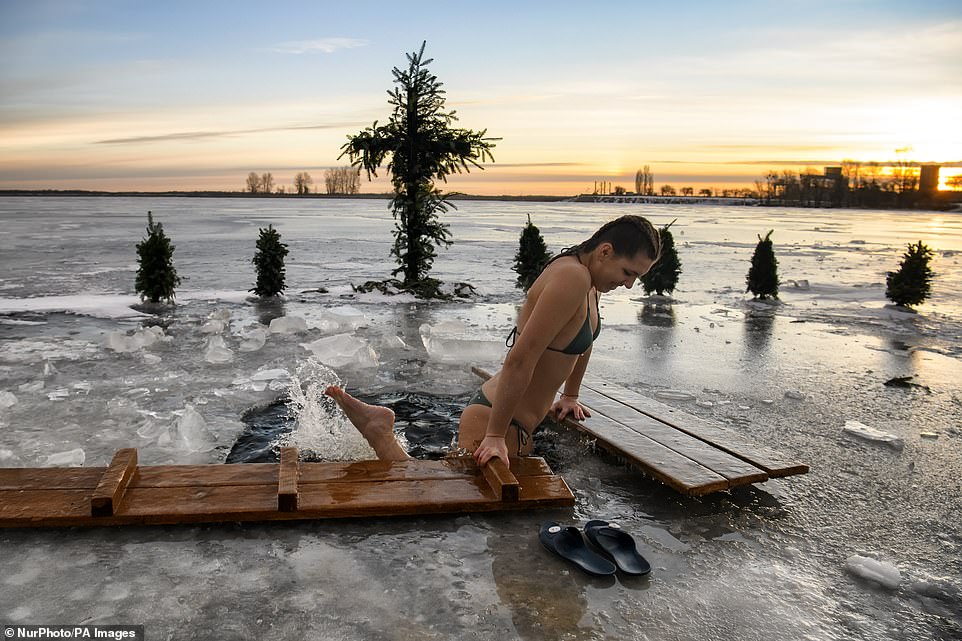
<point>746,564</point>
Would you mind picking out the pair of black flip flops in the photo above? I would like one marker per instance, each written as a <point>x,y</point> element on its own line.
<point>617,545</point>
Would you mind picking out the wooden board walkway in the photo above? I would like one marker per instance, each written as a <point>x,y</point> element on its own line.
<point>682,451</point>
<point>125,493</point>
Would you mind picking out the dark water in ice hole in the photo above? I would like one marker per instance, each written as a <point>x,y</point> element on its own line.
<point>429,424</point>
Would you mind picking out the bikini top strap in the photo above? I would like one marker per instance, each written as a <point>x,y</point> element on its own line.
<point>509,341</point>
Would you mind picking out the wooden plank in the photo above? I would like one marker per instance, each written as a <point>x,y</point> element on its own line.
<point>771,461</point>
<point>663,463</point>
<point>146,506</point>
<point>737,471</point>
<point>503,483</point>
<point>188,475</point>
<point>110,491</point>
<point>352,489</point>
<point>287,480</point>
<point>27,505</point>
<point>37,478</point>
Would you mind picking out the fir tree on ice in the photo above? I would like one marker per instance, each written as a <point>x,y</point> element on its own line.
<point>663,275</point>
<point>269,261</point>
<point>532,256</point>
<point>912,283</point>
<point>156,276</point>
<point>423,148</point>
<point>763,274</point>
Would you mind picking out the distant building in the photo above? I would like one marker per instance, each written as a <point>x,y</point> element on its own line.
<point>929,179</point>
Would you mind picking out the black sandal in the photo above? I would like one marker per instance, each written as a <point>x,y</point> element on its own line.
<point>567,543</point>
<point>619,545</point>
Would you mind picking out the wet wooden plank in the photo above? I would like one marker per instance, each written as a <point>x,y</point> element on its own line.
<point>502,482</point>
<point>16,505</point>
<point>166,505</point>
<point>735,470</point>
<point>774,463</point>
<point>173,494</point>
<point>36,478</point>
<point>287,480</point>
<point>110,491</point>
<point>663,463</point>
<point>188,475</point>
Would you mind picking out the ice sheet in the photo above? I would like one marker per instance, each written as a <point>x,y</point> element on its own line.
<point>749,563</point>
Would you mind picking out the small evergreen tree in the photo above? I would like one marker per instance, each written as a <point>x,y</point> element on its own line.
<point>663,275</point>
<point>269,260</point>
<point>763,274</point>
<point>532,256</point>
<point>156,276</point>
<point>423,147</point>
<point>912,283</point>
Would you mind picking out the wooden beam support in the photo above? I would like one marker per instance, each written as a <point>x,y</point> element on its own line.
<point>109,492</point>
<point>287,480</point>
<point>502,481</point>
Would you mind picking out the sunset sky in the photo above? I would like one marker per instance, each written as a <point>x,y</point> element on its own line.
<point>129,95</point>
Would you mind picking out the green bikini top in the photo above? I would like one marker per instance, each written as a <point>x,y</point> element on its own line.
<point>582,340</point>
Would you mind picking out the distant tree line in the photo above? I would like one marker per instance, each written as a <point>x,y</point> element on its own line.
<point>337,180</point>
<point>342,180</point>
<point>893,184</point>
<point>857,184</point>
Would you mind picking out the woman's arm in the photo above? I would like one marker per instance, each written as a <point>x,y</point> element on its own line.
<point>568,403</point>
<point>557,304</point>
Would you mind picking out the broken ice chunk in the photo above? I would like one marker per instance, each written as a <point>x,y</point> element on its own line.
<point>341,319</point>
<point>190,432</point>
<point>74,457</point>
<point>142,338</point>
<point>288,325</point>
<point>213,326</point>
<point>7,399</point>
<point>34,386</point>
<point>871,434</point>
<point>270,374</point>
<point>341,350</point>
<point>881,572</point>
<point>253,339</point>
<point>217,351</point>
<point>449,341</point>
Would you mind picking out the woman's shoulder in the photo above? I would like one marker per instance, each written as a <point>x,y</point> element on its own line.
<point>568,271</point>
<point>568,276</point>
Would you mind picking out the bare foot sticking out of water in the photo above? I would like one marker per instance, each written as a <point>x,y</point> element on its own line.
<point>376,424</point>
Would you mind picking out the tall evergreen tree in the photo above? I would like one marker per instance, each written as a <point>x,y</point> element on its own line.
<point>532,256</point>
<point>269,260</point>
<point>763,274</point>
<point>663,275</point>
<point>912,283</point>
<point>423,148</point>
<point>156,276</point>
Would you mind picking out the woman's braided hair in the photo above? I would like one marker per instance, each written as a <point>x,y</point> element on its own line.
<point>628,235</point>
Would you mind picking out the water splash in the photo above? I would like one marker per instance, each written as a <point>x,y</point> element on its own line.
<point>319,424</point>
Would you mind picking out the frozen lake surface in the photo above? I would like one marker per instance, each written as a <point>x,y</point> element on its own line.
<point>866,546</point>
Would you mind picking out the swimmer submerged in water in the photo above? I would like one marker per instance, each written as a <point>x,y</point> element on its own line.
<point>557,325</point>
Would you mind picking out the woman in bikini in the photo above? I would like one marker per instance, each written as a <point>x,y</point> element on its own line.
<point>552,344</point>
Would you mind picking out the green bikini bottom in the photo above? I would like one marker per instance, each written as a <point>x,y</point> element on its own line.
<point>523,436</point>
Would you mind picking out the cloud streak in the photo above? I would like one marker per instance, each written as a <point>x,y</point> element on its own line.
<point>200,135</point>
<point>320,45</point>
